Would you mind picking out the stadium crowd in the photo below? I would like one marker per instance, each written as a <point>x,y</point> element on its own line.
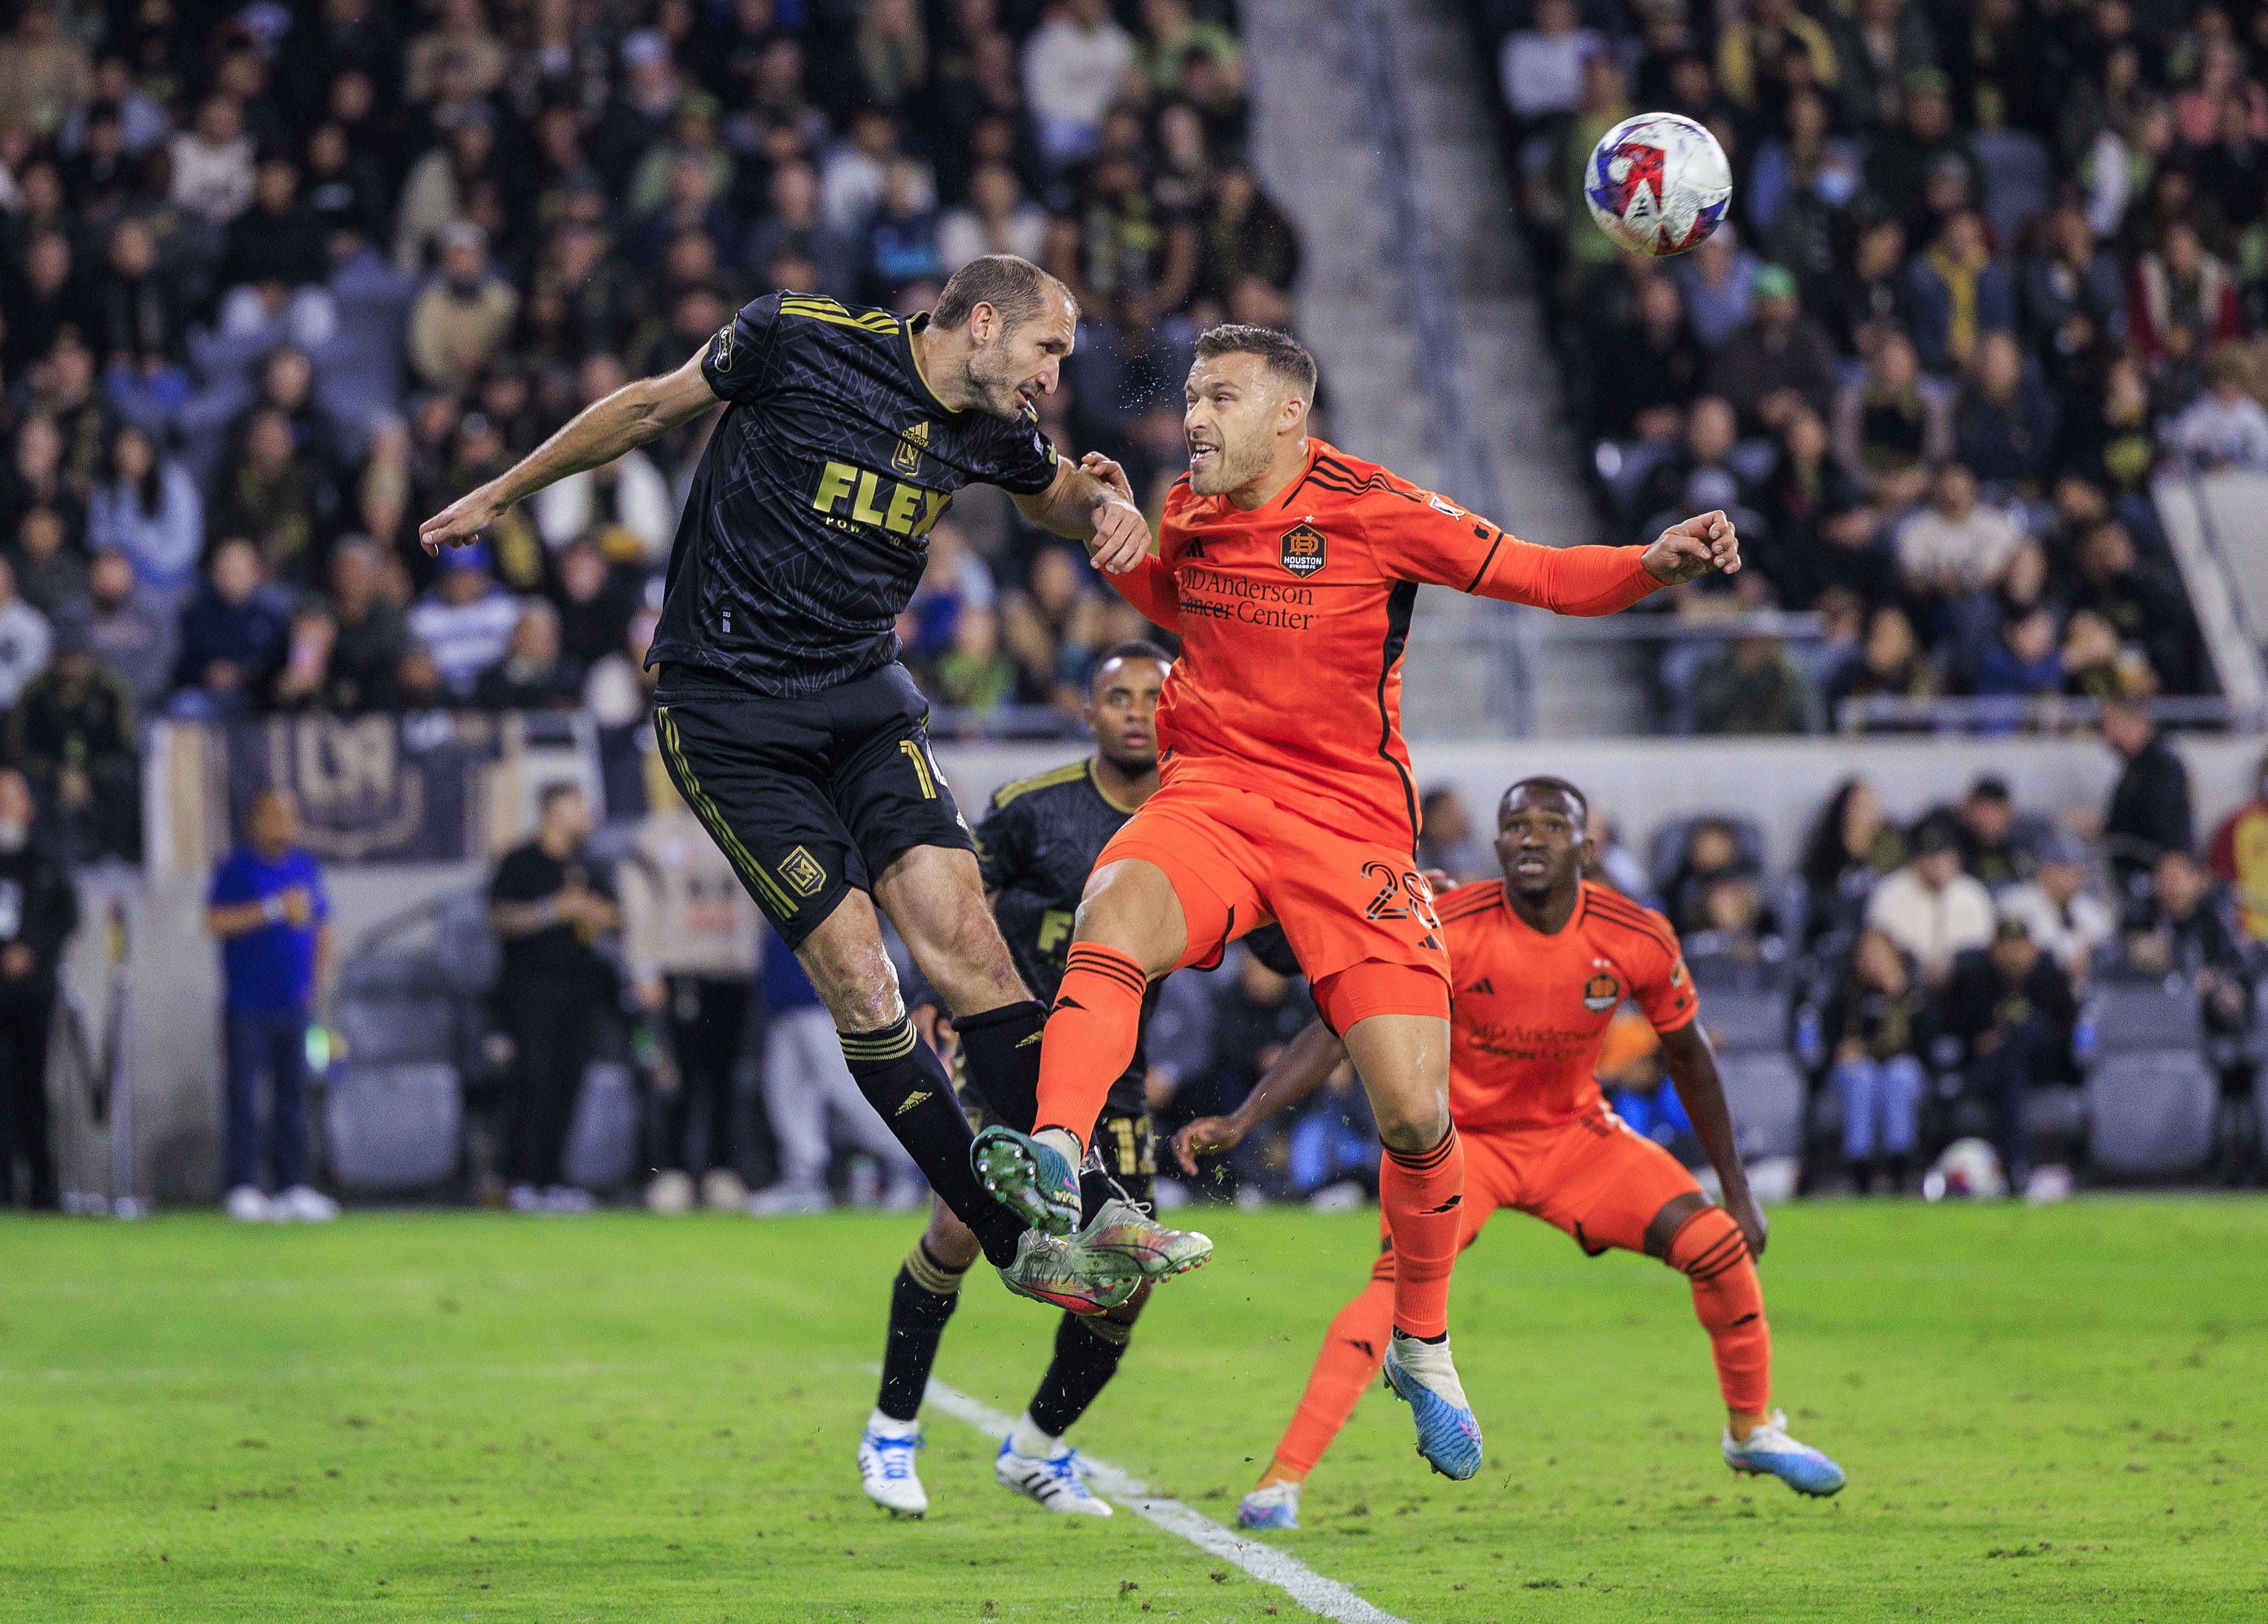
<point>281,280</point>
<point>1987,269</point>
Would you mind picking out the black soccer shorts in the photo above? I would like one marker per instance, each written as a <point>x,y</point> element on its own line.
<point>813,795</point>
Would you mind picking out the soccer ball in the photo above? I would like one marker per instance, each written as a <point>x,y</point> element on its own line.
<point>1968,1170</point>
<point>1658,183</point>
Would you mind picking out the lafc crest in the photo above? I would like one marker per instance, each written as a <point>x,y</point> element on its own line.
<point>907,457</point>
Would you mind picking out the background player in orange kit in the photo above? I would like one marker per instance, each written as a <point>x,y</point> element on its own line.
<point>1543,960</point>
<point>1289,570</point>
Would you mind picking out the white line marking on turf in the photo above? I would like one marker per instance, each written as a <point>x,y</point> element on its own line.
<point>1324,1597</point>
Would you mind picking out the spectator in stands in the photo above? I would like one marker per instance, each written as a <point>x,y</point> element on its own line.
<point>1993,847</point>
<point>1853,846</point>
<point>2004,423</point>
<point>25,640</point>
<point>130,633</point>
<point>1892,425</point>
<point>464,312</point>
<point>465,621</point>
<point>2188,930</point>
<point>1642,381</point>
<point>1073,67</point>
<point>1929,908</point>
<point>1542,67</point>
<point>1751,687</point>
<point>1447,839</point>
<point>1889,665</point>
<point>1776,362</point>
<point>2224,428</point>
<point>2068,921</point>
<point>1714,884</point>
<point>1955,547</point>
<point>72,734</point>
<point>50,576</point>
<point>2145,611</point>
<point>805,1075</point>
<point>2239,857</point>
<point>532,675</point>
<point>148,509</point>
<point>1961,293</point>
<point>2149,811</point>
<point>689,948</point>
<point>233,636</point>
<point>2011,1010</point>
<point>370,636</point>
<point>1874,1028</point>
<point>39,913</point>
<point>268,908</point>
<point>549,903</point>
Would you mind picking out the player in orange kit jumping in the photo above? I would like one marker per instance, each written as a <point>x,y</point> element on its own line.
<point>1289,570</point>
<point>1543,960</point>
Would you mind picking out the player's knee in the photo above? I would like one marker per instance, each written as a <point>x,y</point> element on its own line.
<point>1662,1228</point>
<point>949,1240</point>
<point>1414,1118</point>
<point>1706,1244</point>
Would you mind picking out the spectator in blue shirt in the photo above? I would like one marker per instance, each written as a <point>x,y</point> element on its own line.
<point>268,908</point>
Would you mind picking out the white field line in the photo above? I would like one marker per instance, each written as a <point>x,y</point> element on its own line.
<point>1324,1597</point>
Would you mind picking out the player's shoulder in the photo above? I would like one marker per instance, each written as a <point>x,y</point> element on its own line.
<point>819,314</point>
<point>1616,918</point>
<point>1355,482</point>
<point>1471,901</point>
<point>1069,774</point>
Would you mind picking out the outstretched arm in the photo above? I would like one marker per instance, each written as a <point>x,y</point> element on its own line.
<point>1605,580</point>
<point>1692,1066</point>
<point>1305,1065</point>
<point>632,415</point>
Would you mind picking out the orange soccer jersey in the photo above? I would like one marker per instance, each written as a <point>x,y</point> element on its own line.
<point>1294,616</point>
<point>1530,1011</point>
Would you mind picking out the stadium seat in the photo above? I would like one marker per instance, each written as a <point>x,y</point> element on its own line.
<point>602,1148</point>
<point>1765,1091</point>
<point>392,1128</point>
<point>2150,1111</point>
<point>2142,1014</point>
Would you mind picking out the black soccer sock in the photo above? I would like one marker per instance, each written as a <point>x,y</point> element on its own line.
<point>1096,1187</point>
<point>921,1299</point>
<point>1087,1352</point>
<point>1001,1048</point>
<point>902,1078</point>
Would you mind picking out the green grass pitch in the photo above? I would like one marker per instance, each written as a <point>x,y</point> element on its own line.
<point>2057,1412</point>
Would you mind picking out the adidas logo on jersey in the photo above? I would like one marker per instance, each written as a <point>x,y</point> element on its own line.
<point>1483,986</point>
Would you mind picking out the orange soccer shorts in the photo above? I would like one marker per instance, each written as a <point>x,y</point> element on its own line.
<point>1357,912</point>
<point>1592,1178</point>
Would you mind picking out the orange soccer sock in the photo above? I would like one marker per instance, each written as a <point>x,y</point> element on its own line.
<point>1091,1034</point>
<point>1353,1349</point>
<point>1421,1191</point>
<point>1729,1302</point>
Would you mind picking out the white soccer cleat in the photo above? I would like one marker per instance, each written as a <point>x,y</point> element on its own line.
<point>1769,1451</point>
<point>1274,1507</point>
<point>670,1192</point>
<point>247,1205</point>
<point>886,1471</point>
<point>300,1204</point>
<point>722,1190</point>
<point>1420,1374</point>
<point>1055,1481</point>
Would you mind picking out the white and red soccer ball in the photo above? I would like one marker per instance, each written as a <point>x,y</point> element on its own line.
<point>1657,184</point>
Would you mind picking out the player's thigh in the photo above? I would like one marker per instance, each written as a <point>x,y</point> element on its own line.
<point>1604,1184</point>
<point>1175,885</point>
<point>1404,1062</point>
<point>883,782</point>
<point>755,774</point>
<point>1360,918</point>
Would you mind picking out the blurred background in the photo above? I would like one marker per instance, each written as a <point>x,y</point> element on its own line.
<point>1957,793</point>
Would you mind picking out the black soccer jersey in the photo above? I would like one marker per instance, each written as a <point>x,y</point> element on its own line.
<point>807,529</point>
<point>1036,846</point>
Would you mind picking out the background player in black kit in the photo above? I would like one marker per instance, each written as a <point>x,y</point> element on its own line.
<point>1037,846</point>
<point>782,712</point>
